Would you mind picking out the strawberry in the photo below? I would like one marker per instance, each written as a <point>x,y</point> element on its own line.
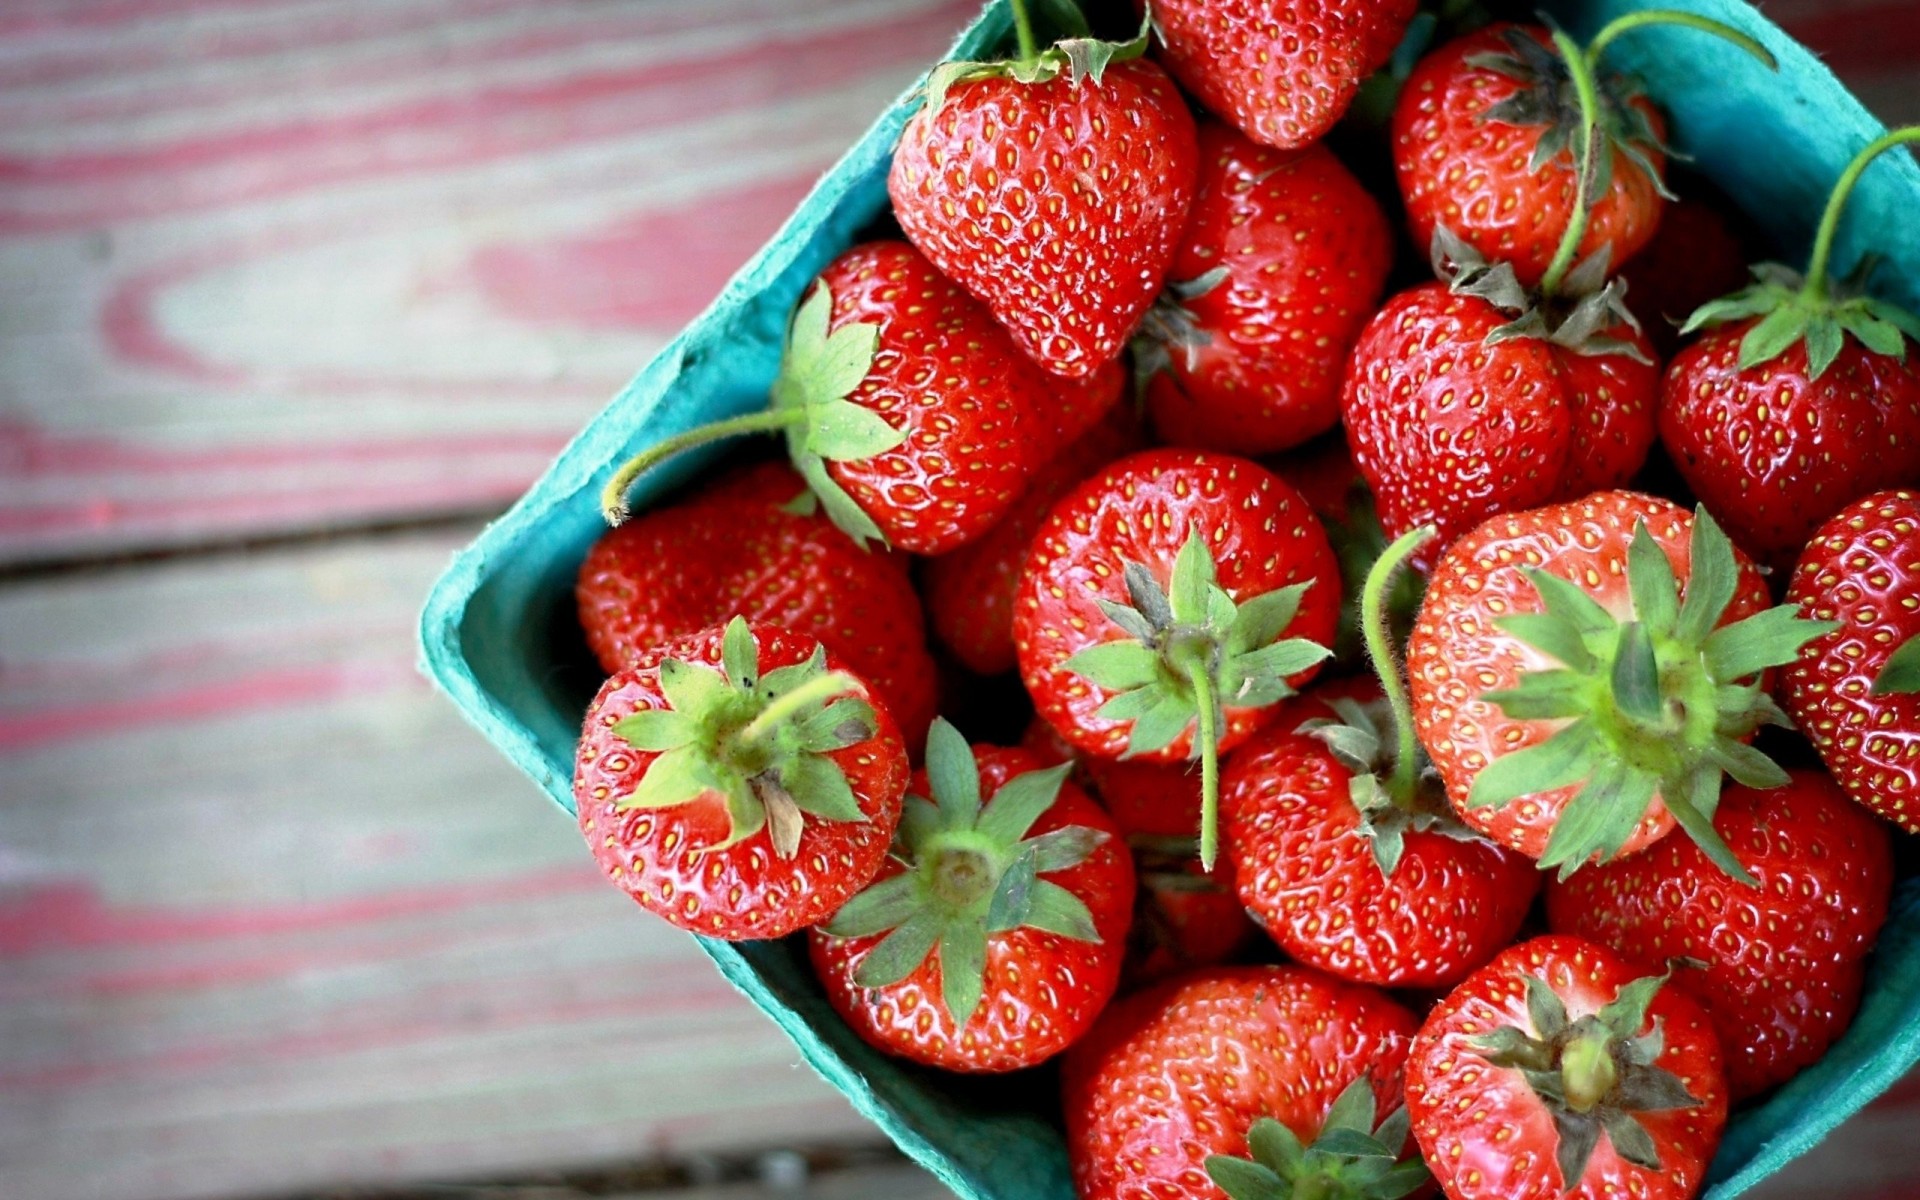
<point>1584,674</point>
<point>1695,256</point>
<point>970,591</point>
<point>1799,399</point>
<point>1473,398</point>
<point>1855,692</point>
<point>1777,967</point>
<point>994,937</point>
<point>1178,1085</point>
<point>1558,1069</point>
<point>1507,137</point>
<point>1168,603</point>
<point>733,549</point>
<point>906,409</point>
<point>1052,187</point>
<point>1283,71</point>
<point>1282,261</point>
<point>739,783</point>
<point>1344,851</point>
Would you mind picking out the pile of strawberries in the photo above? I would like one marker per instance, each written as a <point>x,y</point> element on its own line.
<point>1341,630</point>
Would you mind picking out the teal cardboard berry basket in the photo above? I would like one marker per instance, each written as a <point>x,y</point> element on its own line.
<point>499,633</point>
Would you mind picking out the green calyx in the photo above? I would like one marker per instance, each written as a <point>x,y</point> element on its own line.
<point>1351,1159</point>
<point>1593,1075</point>
<point>1189,652</point>
<point>1079,56</point>
<point>763,742</point>
<point>1656,704</point>
<point>1359,739</point>
<point>1901,674</point>
<point>1575,317</point>
<point>1791,307</point>
<point>971,872</point>
<point>819,370</point>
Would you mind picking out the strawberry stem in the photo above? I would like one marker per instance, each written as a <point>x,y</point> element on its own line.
<point>1023,29</point>
<point>1208,738</point>
<point>1376,629</point>
<point>1592,144</point>
<point>613,498</point>
<point>1667,16</point>
<point>1816,286</point>
<point>821,687</point>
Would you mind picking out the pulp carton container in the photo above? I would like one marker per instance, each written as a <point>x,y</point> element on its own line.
<point>500,636</point>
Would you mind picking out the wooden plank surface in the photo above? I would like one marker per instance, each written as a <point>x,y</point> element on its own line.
<point>294,264</point>
<point>272,917</point>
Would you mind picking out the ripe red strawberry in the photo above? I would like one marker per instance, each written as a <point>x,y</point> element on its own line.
<point>994,937</point>
<point>1486,136</point>
<point>1169,602</point>
<point>970,591</point>
<point>1232,1061</point>
<point>1474,398</point>
<point>905,407</point>
<point>1284,71</point>
<point>1053,188</point>
<point>1799,399</point>
<point>732,549</point>
<point>1694,257</point>
<point>1558,1069</point>
<point>1584,674</point>
<point>1343,846</point>
<point>1777,967</point>
<point>1282,261</point>
<point>1855,692</point>
<point>739,783</point>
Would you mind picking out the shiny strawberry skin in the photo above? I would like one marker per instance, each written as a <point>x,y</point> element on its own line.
<point>970,591</point>
<point>1783,961</point>
<point>1283,71</point>
<point>973,409</point>
<point>1862,568</point>
<point>1181,1071</point>
<point>658,856</point>
<point>1449,431</point>
<point>731,550</point>
<point>1457,654</point>
<point>1484,1133</point>
<point>1773,453</point>
<point>1140,509</point>
<point>1057,204</point>
<point>1306,872</point>
<point>1042,990</point>
<point>1306,251</point>
<point>1472,175</point>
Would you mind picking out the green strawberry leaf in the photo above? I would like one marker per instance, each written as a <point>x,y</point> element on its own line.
<point>845,432</point>
<point>655,729</point>
<point>1901,675</point>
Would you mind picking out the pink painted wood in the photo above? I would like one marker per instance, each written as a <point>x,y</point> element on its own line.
<point>272,917</point>
<point>291,265</point>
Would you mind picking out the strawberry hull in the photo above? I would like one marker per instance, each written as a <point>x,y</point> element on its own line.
<point>500,635</point>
